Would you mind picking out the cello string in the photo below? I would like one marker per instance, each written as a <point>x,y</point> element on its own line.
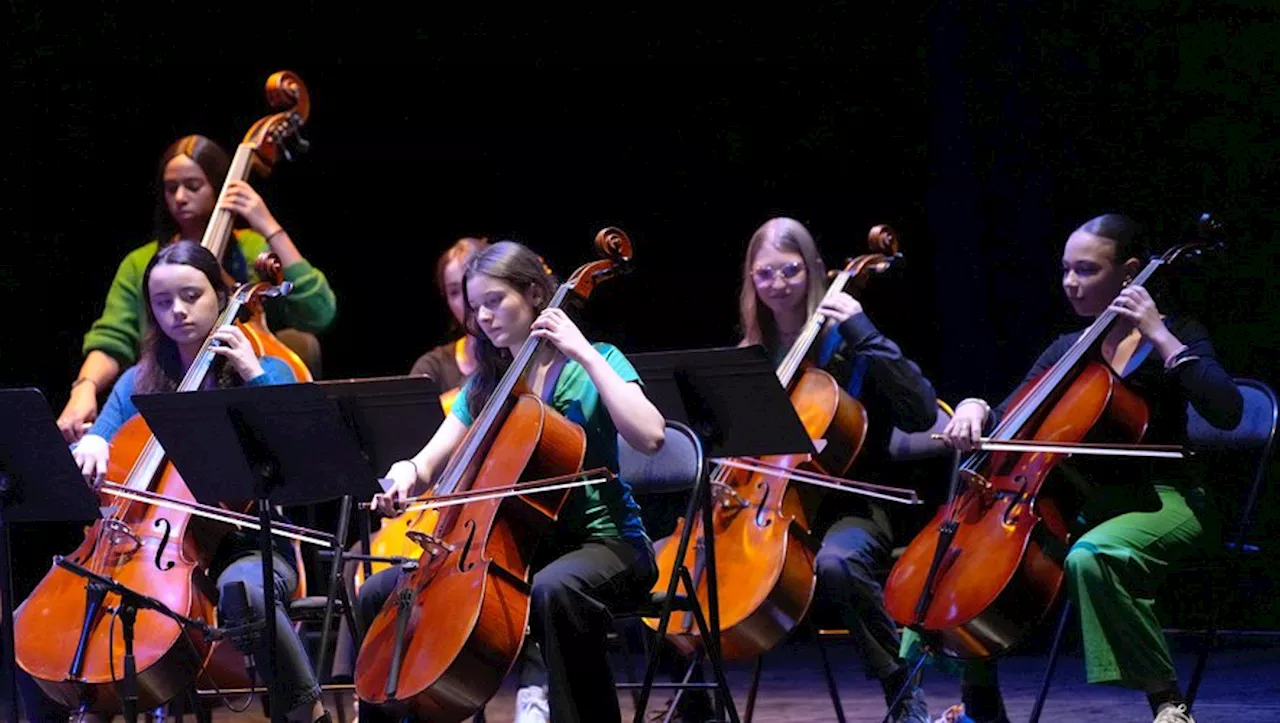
<point>151,460</point>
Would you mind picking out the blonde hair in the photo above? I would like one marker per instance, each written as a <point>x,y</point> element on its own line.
<point>785,234</point>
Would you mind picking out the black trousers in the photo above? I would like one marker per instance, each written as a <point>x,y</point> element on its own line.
<point>855,549</point>
<point>569,618</point>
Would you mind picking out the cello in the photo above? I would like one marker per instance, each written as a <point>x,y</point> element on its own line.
<point>263,144</point>
<point>764,551</point>
<point>992,562</point>
<point>451,630</point>
<point>158,550</point>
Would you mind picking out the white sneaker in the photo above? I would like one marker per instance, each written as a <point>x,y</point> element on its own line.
<point>531,705</point>
<point>1174,714</point>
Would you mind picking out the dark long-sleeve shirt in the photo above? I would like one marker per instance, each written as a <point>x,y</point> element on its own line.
<point>1200,380</point>
<point>873,369</point>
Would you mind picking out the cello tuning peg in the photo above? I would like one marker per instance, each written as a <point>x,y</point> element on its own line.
<point>303,145</point>
<point>284,151</point>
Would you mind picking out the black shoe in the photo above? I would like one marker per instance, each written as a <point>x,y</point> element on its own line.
<point>983,704</point>
<point>912,709</point>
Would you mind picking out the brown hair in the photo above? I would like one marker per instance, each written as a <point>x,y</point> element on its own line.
<point>159,366</point>
<point>785,234</point>
<point>462,249</point>
<point>525,271</point>
<point>212,160</point>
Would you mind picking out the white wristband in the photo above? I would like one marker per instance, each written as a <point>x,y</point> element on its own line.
<point>412,464</point>
<point>986,408</point>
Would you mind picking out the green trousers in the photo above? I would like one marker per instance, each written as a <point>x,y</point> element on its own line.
<point>1113,573</point>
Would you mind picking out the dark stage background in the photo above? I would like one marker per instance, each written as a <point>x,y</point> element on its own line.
<point>983,135</point>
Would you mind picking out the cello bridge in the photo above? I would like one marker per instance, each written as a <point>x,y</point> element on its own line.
<point>433,545</point>
<point>979,485</point>
<point>117,532</point>
<point>727,496</point>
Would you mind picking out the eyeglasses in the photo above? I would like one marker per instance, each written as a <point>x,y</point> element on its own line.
<point>765,274</point>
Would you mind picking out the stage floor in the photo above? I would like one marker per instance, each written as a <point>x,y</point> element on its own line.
<point>1242,684</point>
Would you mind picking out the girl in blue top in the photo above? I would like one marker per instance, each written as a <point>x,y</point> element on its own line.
<point>184,295</point>
<point>599,554</point>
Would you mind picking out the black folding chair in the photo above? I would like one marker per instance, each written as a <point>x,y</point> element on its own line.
<point>679,465</point>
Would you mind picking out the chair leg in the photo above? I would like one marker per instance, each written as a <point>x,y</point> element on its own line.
<point>753,688</point>
<point>831,679</point>
<point>673,704</point>
<point>340,706</point>
<point>1210,636</point>
<point>713,651</point>
<point>627,651</point>
<point>696,500</point>
<point>713,594</point>
<point>203,713</point>
<point>178,708</point>
<point>335,589</point>
<point>1053,662</point>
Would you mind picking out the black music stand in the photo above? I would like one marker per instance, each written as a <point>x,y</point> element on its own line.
<point>283,444</point>
<point>733,401</point>
<point>391,418</point>
<point>730,396</point>
<point>39,482</point>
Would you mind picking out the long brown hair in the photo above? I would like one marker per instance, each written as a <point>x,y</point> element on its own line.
<point>160,367</point>
<point>785,234</point>
<point>212,160</point>
<point>522,269</point>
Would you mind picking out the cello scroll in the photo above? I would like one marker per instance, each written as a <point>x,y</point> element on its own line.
<point>615,250</point>
<point>268,136</point>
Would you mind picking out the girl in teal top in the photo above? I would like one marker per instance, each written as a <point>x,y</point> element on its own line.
<point>599,555</point>
<point>190,177</point>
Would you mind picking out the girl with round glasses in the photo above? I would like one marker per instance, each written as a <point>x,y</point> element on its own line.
<point>783,285</point>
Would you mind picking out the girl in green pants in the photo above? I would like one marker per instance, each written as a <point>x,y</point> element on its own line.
<point>1143,517</point>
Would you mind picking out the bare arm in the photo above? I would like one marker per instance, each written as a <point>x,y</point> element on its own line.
<point>637,420</point>
<point>431,459</point>
<point>98,372</point>
<point>414,476</point>
<point>635,417</point>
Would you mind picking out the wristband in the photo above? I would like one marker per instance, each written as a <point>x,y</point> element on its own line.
<point>417,475</point>
<point>986,408</point>
<point>1182,356</point>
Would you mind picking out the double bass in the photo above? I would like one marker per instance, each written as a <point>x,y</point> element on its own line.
<point>65,633</point>
<point>446,638</point>
<point>764,553</point>
<point>992,562</point>
<point>265,142</point>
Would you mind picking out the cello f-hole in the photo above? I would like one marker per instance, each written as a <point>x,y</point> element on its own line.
<point>1012,512</point>
<point>761,520</point>
<point>164,544</point>
<point>463,565</point>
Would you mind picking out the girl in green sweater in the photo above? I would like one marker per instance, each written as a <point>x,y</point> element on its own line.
<point>191,173</point>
